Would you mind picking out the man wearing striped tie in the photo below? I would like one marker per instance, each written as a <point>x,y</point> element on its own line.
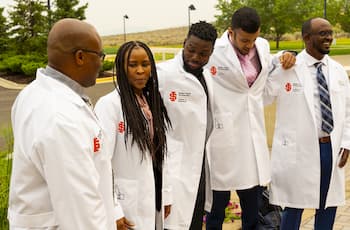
<point>312,133</point>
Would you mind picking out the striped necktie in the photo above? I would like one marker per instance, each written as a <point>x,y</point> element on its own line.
<point>325,102</point>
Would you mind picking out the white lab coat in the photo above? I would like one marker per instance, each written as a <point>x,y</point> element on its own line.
<point>186,103</point>
<point>238,154</point>
<point>55,183</point>
<point>295,150</point>
<point>133,175</point>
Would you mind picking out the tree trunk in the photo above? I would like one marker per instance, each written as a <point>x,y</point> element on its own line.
<point>278,38</point>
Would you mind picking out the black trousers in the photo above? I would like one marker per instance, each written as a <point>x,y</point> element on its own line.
<point>198,212</point>
<point>249,200</point>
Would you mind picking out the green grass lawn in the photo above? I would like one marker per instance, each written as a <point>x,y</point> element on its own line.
<point>340,46</point>
<point>5,169</point>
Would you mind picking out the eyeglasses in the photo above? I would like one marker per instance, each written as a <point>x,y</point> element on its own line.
<point>101,55</point>
<point>324,33</point>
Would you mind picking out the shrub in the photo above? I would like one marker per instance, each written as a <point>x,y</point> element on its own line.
<point>30,68</point>
<point>107,65</point>
<point>22,64</point>
<point>5,172</point>
<point>13,64</point>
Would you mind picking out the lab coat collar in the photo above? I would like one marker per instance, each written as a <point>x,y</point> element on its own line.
<point>310,60</point>
<point>73,85</point>
<point>43,76</point>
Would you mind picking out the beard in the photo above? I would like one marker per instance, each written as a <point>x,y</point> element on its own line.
<point>196,72</point>
<point>321,49</point>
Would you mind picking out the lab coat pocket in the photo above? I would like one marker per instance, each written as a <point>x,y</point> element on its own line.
<point>174,157</point>
<point>223,130</point>
<point>284,147</point>
<point>127,196</point>
<point>338,98</point>
<point>43,220</point>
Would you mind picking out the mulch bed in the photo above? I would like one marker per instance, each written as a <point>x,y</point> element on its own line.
<point>18,78</point>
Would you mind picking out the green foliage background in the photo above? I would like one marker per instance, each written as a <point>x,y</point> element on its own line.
<point>5,170</point>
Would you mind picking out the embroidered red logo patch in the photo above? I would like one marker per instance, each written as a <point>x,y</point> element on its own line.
<point>121,127</point>
<point>172,96</point>
<point>213,70</point>
<point>97,145</point>
<point>288,87</point>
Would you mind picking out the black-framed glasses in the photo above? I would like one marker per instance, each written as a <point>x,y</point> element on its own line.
<point>324,33</point>
<point>101,55</point>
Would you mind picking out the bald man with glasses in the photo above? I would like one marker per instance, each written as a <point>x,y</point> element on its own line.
<point>61,178</point>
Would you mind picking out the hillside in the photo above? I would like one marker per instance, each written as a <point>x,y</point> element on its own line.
<point>163,37</point>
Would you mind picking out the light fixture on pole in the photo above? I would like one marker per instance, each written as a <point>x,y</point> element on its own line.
<point>190,7</point>
<point>49,13</point>
<point>125,17</point>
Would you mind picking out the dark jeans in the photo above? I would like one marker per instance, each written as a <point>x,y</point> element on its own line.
<point>324,218</point>
<point>249,200</point>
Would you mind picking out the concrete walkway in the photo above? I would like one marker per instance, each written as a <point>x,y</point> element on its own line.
<point>10,85</point>
<point>342,221</point>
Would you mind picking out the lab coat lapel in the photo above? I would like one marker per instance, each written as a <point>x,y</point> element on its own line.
<point>305,79</point>
<point>264,66</point>
<point>233,59</point>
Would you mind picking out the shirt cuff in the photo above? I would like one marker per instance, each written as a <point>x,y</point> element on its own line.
<point>167,197</point>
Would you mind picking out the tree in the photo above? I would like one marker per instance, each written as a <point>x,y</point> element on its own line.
<point>3,32</point>
<point>277,16</point>
<point>68,9</point>
<point>227,8</point>
<point>28,26</point>
<point>344,19</point>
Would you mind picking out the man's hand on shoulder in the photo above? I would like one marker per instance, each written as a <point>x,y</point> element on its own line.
<point>287,59</point>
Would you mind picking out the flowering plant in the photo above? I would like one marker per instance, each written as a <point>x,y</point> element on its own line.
<point>232,212</point>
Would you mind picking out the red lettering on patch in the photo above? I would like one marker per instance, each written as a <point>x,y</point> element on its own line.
<point>121,127</point>
<point>172,96</point>
<point>288,87</point>
<point>213,70</point>
<point>96,145</point>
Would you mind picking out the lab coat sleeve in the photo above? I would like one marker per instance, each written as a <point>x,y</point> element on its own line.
<point>345,141</point>
<point>273,81</point>
<point>105,111</point>
<point>71,176</point>
<point>167,185</point>
<point>272,86</point>
<point>167,181</point>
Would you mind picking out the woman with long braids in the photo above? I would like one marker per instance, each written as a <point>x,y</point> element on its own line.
<point>134,121</point>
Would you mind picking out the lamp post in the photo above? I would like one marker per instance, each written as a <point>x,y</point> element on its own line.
<point>190,7</point>
<point>49,13</point>
<point>125,17</point>
<point>325,9</point>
